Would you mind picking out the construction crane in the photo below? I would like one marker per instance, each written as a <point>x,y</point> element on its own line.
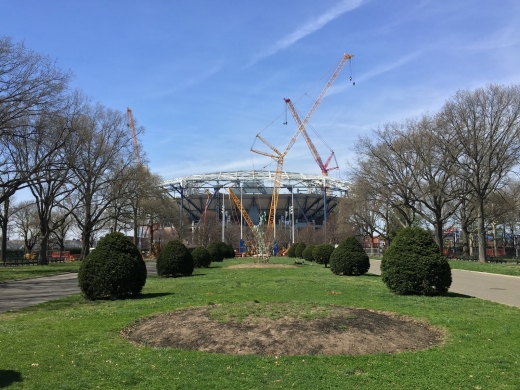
<point>241,208</point>
<point>279,156</point>
<point>131,126</point>
<point>301,125</point>
<point>260,238</point>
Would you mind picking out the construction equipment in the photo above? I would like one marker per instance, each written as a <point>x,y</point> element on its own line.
<point>263,248</point>
<point>301,125</point>
<point>241,208</point>
<point>131,125</point>
<point>279,157</point>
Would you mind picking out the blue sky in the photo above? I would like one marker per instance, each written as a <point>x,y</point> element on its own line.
<point>204,77</point>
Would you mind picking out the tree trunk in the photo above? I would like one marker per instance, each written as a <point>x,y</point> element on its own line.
<point>439,236</point>
<point>44,243</point>
<point>5,221</point>
<point>465,241</point>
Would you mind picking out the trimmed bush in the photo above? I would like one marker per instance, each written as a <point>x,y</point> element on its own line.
<point>224,250</point>
<point>291,252</point>
<point>201,257</point>
<point>299,250</point>
<point>349,258</point>
<point>307,252</point>
<point>231,251</point>
<point>413,264</point>
<point>174,259</point>
<point>216,254</point>
<point>321,253</point>
<point>115,268</point>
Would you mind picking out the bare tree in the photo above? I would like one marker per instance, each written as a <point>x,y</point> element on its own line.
<point>484,141</point>
<point>26,223</point>
<point>104,151</point>
<point>31,86</point>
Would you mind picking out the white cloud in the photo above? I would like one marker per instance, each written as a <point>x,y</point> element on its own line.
<point>310,27</point>
<point>389,66</point>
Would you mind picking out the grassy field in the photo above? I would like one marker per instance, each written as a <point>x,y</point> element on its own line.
<point>75,344</point>
<point>34,271</point>
<point>492,268</point>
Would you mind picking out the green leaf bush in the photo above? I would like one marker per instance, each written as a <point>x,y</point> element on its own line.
<point>349,258</point>
<point>231,251</point>
<point>321,253</point>
<point>291,252</point>
<point>115,268</point>
<point>174,260</point>
<point>307,253</point>
<point>215,252</point>
<point>414,265</point>
<point>299,250</point>
<point>201,257</point>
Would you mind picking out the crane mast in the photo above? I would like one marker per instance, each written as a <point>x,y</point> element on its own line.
<point>131,125</point>
<point>279,157</point>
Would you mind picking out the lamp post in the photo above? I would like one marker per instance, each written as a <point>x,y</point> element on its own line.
<point>223,216</point>
<point>292,208</point>
<point>241,216</point>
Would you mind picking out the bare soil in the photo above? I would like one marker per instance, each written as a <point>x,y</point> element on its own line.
<point>343,331</point>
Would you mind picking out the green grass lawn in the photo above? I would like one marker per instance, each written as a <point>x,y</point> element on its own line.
<point>18,272</point>
<point>71,343</point>
<point>492,268</point>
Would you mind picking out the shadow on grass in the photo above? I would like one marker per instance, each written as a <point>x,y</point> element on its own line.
<point>456,295</point>
<point>8,377</point>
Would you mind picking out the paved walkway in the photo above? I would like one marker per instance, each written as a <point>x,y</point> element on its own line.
<point>23,293</point>
<point>496,288</point>
<point>28,292</point>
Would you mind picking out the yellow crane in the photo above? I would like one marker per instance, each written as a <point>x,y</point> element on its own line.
<point>241,208</point>
<point>279,156</point>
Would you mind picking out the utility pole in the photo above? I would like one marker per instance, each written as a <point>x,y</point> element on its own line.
<point>292,212</point>
<point>223,217</point>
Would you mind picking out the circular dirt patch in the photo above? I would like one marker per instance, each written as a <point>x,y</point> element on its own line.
<point>324,330</point>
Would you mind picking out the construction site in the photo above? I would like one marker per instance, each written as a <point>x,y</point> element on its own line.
<point>269,207</point>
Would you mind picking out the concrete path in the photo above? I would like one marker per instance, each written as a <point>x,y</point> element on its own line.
<point>23,293</point>
<point>28,292</point>
<point>496,288</point>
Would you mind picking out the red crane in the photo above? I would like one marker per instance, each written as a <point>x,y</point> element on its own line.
<point>301,125</point>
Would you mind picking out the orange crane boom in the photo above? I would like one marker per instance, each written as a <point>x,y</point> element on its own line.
<point>242,210</point>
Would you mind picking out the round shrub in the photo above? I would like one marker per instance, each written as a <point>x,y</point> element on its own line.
<point>291,252</point>
<point>215,252</point>
<point>321,253</point>
<point>115,268</point>
<point>223,249</point>
<point>299,250</point>
<point>174,259</point>
<point>413,264</point>
<point>307,252</point>
<point>349,258</point>
<point>231,251</point>
<point>201,257</point>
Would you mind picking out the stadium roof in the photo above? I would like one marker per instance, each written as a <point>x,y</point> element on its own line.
<point>256,182</point>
